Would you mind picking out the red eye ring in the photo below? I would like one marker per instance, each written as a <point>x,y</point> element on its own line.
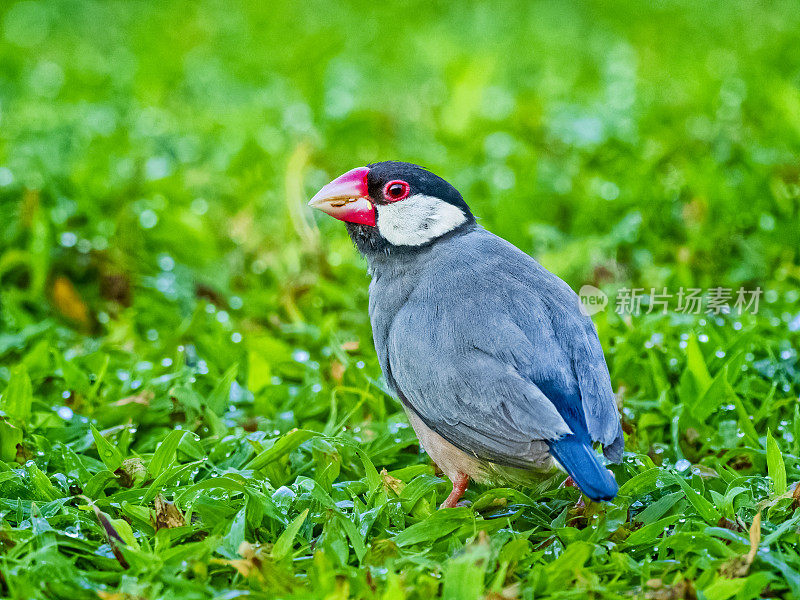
<point>396,190</point>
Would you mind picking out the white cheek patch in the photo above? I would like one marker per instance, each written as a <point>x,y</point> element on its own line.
<point>417,220</point>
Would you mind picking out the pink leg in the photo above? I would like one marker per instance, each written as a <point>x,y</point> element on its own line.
<point>570,482</point>
<point>459,487</point>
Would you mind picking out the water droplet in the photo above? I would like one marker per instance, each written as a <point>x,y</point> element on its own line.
<point>165,282</point>
<point>72,532</point>
<point>68,239</point>
<point>682,464</point>
<point>148,219</point>
<point>99,243</point>
<point>259,266</point>
<point>165,262</point>
<point>609,190</point>
<point>300,356</point>
<point>157,167</point>
<point>65,412</point>
<point>6,177</point>
<point>199,206</point>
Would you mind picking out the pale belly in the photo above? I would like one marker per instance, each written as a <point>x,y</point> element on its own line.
<point>452,460</point>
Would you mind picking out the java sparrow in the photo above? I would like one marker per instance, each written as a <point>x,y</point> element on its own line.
<point>496,366</point>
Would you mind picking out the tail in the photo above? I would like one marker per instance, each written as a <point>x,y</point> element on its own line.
<point>584,466</point>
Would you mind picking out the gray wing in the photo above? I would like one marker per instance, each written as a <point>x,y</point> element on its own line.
<point>492,352</point>
<point>472,398</point>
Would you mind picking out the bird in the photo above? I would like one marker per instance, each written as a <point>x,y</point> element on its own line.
<point>500,372</point>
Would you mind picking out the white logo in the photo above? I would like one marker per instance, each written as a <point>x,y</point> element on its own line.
<point>592,300</point>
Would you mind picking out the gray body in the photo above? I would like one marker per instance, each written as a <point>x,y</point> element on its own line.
<point>469,330</point>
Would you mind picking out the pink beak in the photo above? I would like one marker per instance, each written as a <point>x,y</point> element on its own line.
<point>347,198</point>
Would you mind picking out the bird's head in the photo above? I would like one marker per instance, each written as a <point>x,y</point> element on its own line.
<point>391,206</point>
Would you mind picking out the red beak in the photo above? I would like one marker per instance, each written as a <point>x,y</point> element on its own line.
<point>347,198</point>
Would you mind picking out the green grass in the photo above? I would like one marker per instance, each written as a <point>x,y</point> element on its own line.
<point>191,406</point>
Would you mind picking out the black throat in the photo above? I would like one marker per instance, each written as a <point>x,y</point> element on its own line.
<point>367,239</point>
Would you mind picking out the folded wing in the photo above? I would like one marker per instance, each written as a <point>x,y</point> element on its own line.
<point>494,355</point>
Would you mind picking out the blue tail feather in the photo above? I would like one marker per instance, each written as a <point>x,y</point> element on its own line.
<point>584,466</point>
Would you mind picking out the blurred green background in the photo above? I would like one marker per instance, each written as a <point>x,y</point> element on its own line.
<point>156,250</point>
<point>657,142</point>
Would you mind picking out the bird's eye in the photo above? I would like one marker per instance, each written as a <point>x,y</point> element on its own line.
<point>396,190</point>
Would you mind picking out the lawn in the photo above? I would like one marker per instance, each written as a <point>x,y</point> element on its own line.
<point>191,404</point>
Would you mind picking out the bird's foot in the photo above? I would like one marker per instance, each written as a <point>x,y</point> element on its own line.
<point>581,503</point>
<point>460,484</point>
